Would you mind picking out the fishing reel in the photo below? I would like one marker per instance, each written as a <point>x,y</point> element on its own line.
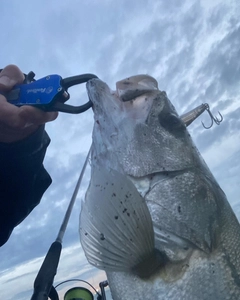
<point>79,293</point>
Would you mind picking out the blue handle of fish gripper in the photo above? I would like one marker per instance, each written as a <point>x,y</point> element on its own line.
<point>40,93</point>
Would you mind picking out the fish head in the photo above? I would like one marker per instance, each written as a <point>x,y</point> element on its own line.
<point>137,130</point>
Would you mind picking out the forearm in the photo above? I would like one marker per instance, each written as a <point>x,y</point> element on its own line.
<point>23,179</point>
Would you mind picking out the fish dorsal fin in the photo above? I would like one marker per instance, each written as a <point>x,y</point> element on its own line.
<point>116,229</point>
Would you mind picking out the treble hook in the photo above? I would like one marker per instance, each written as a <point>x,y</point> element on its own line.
<point>213,119</point>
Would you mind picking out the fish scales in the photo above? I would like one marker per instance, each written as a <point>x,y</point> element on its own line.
<point>154,217</point>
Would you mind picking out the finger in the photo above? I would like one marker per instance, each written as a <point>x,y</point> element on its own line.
<point>35,116</point>
<point>24,116</point>
<point>9,114</point>
<point>10,76</point>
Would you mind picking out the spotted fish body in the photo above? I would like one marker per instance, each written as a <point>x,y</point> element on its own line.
<point>154,217</point>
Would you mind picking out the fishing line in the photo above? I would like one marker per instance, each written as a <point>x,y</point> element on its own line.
<point>72,201</point>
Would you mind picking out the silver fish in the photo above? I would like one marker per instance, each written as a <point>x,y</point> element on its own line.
<point>154,217</point>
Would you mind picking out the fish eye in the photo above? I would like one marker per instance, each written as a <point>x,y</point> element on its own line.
<point>174,120</point>
<point>171,121</point>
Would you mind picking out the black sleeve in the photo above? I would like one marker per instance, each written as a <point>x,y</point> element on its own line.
<point>23,179</point>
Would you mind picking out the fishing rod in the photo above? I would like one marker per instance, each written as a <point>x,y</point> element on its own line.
<point>43,284</point>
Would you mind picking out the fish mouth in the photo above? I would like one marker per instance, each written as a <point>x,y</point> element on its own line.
<point>135,86</point>
<point>131,99</point>
<point>126,90</point>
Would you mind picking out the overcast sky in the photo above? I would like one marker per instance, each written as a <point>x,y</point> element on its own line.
<point>191,47</point>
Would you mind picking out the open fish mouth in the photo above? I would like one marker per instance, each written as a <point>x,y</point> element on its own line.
<point>132,87</point>
<point>126,89</point>
<point>132,98</point>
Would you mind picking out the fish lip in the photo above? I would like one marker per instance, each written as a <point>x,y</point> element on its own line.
<point>104,100</point>
<point>97,86</point>
<point>100,84</point>
<point>130,95</point>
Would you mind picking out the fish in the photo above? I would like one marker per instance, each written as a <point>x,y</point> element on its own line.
<point>154,217</point>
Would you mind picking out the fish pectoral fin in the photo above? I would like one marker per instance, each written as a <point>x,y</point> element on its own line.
<point>116,228</point>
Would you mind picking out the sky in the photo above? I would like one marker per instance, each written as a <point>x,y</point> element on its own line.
<point>192,48</point>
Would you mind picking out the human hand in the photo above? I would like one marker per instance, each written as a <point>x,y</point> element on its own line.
<point>17,123</point>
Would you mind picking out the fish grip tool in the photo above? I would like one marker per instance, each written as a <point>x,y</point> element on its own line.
<point>48,93</point>
<point>43,284</point>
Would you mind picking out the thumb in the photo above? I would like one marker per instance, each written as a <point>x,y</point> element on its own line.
<point>10,76</point>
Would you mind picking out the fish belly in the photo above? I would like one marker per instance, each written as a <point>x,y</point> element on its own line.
<point>203,278</point>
